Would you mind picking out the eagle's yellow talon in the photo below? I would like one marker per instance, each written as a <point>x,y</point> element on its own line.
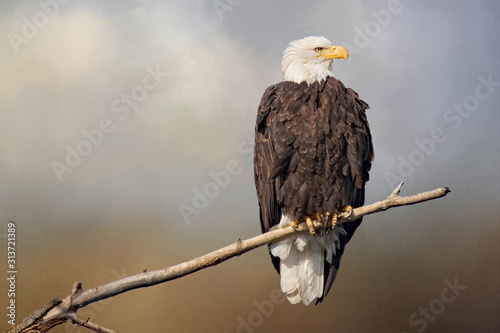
<point>294,225</point>
<point>347,209</point>
<point>334,219</point>
<point>310,225</point>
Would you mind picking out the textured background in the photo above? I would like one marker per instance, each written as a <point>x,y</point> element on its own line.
<point>119,209</point>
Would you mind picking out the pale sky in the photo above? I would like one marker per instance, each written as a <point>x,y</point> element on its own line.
<point>139,115</point>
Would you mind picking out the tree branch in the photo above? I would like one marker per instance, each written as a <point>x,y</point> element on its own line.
<point>57,312</point>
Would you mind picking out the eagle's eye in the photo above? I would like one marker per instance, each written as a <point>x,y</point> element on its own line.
<point>318,49</point>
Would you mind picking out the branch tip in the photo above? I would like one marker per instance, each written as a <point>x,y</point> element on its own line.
<point>76,289</point>
<point>396,191</point>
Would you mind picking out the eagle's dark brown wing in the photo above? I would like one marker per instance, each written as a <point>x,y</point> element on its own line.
<point>272,157</point>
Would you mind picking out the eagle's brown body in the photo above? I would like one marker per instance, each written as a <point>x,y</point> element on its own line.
<point>313,151</point>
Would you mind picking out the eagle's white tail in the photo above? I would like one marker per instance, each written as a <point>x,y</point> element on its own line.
<point>302,262</point>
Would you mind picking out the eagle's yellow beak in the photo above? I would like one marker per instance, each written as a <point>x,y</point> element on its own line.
<point>334,52</point>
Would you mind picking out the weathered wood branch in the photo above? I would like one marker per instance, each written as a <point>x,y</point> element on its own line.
<point>59,311</point>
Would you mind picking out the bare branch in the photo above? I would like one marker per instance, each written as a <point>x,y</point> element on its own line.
<point>57,312</point>
<point>88,324</point>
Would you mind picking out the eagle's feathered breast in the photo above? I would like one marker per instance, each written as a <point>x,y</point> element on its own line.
<point>313,142</point>
<point>313,151</point>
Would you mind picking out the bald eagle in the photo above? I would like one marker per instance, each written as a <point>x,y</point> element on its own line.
<point>313,152</point>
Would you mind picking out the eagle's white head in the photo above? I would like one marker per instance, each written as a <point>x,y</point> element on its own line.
<point>310,59</point>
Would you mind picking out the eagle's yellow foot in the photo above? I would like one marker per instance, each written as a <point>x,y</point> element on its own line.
<point>346,209</point>
<point>334,219</point>
<point>294,225</point>
<point>310,225</point>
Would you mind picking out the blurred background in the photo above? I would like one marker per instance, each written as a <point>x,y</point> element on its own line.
<point>126,132</point>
